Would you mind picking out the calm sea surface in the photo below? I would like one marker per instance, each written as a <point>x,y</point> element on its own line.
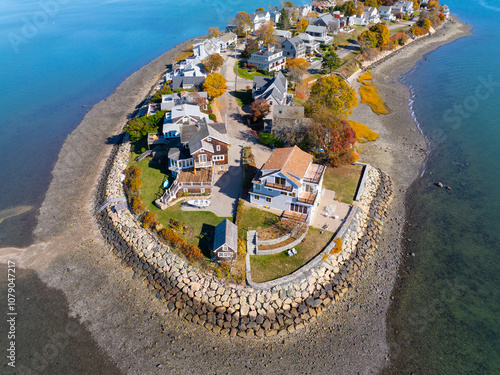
<point>446,316</point>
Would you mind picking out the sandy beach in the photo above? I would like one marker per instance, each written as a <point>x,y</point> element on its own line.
<point>134,329</point>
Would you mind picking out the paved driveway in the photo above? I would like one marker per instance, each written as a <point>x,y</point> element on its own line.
<point>227,187</point>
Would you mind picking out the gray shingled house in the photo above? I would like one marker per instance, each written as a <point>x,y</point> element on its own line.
<point>225,242</point>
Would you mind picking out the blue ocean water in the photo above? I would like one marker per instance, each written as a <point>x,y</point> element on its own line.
<point>58,58</point>
<point>445,316</point>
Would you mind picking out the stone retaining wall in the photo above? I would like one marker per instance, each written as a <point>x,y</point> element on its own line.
<point>274,241</point>
<point>282,248</point>
<point>232,309</point>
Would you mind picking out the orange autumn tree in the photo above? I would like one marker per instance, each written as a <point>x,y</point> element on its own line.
<point>296,68</point>
<point>333,93</point>
<point>302,25</point>
<point>213,32</point>
<point>215,85</point>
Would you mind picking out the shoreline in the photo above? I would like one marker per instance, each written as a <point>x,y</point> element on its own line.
<point>101,291</point>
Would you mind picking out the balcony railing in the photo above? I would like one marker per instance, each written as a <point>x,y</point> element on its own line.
<point>307,198</point>
<point>279,187</point>
<point>203,164</point>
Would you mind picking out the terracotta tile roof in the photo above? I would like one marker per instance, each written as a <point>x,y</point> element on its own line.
<point>289,160</point>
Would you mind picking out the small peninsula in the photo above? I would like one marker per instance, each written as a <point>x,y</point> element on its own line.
<point>254,201</point>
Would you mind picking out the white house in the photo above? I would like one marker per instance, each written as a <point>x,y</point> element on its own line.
<point>203,48</point>
<point>371,15</point>
<point>268,58</point>
<point>289,181</point>
<point>445,10</point>
<point>271,89</point>
<point>319,33</point>
<point>227,39</point>
<point>403,7</point>
<point>360,20</point>
<point>275,16</point>
<point>259,18</point>
<point>294,48</point>
<point>283,34</point>
<point>176,99</point>
<point>386,13</point>
<point>312,45</point>
<point>185,114</point>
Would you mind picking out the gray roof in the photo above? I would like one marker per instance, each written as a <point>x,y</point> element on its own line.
<point>226,233</point>
<point>283,33</point>
<point>178,153</point>
<point>227,37</point>
<point>296,42</point>
<point>315,29</point>
<point>324,20</point>
<point>180,82</point>
<point>262,83</point>
<point>286,111</point>
<point>196,135</point>
<point>384,8</point>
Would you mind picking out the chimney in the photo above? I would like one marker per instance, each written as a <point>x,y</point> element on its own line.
<point>268,47</point>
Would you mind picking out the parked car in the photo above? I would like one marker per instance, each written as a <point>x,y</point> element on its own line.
<point>318,55</point>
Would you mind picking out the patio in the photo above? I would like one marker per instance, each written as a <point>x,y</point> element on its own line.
<point>323,219</point>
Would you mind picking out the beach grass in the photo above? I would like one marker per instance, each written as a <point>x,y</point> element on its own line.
<point>363,132</point>
<point>187,52</point>
<point>343,180</point>
<point>270,267</point>
<point>369,94</point>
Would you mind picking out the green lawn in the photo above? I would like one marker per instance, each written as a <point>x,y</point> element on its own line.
<point>343,181</point>
<point>243,97</point>
<point>298,101</point>
<point>152,178</point>
<point>270,267</point>
<point>255,219</point>
<point>246,73</point>
<point>394,31</point>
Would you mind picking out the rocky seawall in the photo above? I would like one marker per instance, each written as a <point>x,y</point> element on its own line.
<point>230,309</point>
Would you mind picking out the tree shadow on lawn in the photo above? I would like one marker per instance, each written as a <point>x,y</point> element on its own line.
<point>206,237</point>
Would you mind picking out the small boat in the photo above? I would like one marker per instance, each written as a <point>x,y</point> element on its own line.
<point>200,203</point>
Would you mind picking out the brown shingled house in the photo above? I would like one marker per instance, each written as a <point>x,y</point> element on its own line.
<point>289,181</point>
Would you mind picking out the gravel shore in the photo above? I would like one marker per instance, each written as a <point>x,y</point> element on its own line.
<point>135,330</point>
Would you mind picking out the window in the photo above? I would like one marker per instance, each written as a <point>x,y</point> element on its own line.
<point>279,180</point>
<point>268,200</point>
<point>257,186</point>
<point>256,197</point>
<point>283,193</point>
<point>217,157</point>
<point>202,158</point>
<point>298,208</point>
<point>309,188</point>
<point>217,148</point>
<point>225,254</point>
<point>209,139</point>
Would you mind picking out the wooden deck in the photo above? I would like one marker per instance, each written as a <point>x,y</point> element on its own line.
<point>202,176</point>
<point>307,198</point>
<point>314,173</point>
